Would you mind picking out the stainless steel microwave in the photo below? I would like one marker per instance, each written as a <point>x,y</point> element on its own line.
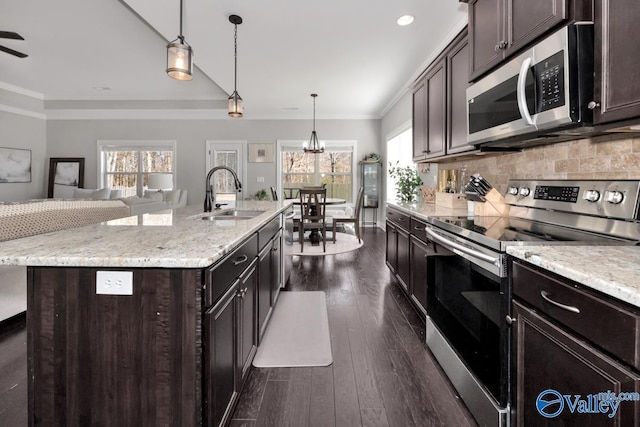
<point>540,95</point>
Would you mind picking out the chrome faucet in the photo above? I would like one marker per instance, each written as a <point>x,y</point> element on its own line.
<point>208,201</point>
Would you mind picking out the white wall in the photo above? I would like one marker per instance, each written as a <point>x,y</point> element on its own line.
<point>78,138</point>
<point>26,132</point>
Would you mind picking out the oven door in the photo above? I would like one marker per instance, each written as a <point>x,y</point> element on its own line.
<point>467,305</point>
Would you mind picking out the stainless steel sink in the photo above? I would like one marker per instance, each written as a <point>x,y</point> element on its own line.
<point>232,214</point>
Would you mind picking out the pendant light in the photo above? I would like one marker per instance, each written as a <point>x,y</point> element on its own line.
<point>313,146</point>
<point>235,101</point>
<point>180,56</point>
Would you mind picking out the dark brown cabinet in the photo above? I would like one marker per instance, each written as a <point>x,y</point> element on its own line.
<point>247,327</point>
<point>419,252</point>
<point>573,342</point>
<point>439,104</point>
<point>269,283</point>
<point>617,87</point>
<point>397,251</point>
<point>500,28</point>
<point>219,363</point>
<point>403,268</point>
<point>392,247</point>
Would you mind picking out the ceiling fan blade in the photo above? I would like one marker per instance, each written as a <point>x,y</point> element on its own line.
<point>10,35</point>
<point>13,52</point>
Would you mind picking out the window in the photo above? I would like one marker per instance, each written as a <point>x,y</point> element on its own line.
<point>126,165</point>
<point>333,168</point>
<point>399,149</point>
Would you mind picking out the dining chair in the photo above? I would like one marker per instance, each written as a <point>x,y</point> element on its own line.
<point>274,194</point>
<point>355,218</point>
<point>312,208</point>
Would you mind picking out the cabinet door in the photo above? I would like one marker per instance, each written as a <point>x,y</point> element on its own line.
<point>486,31</point>
<point>419,120</point>
<point>403,259</point>
<point>549,358</point>
<point>528,20</point>
<point>617,87</point>
<point>276,267</point>
<point>265,272</point>
<point>458,72</point>
<point>219,367</point>
<point>419,260</point>
<point>247,325</point>
<point>435,82</point>
<point>392,247</point>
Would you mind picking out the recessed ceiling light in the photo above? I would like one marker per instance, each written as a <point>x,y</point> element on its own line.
<point>405,20</point>
<point>101,88</point>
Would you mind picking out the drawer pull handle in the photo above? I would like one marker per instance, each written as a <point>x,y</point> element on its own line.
<point>240,260</point>
<point>510,320</point>
<point>401,219</point>
<point>418,228</point>
<point>545,296</point>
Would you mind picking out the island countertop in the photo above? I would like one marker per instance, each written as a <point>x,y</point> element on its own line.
<point>168,239</point>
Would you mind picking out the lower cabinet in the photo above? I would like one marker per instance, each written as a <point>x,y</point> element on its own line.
<point>392,247</point>
<point>404,261</point>
<point>229,346</point>
<point>270,281</point>
<point>419,258</point>
<point>572,350</point>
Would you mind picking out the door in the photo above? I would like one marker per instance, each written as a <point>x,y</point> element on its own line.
<point>551,363</point>
<point>231,154</point>
<point>276,267</point>
<point>264,288</point>
<point>528,19</point>
<point>403,260</point>
<point>420,253</point>
<point>616,86</point>
<point>392,247</point>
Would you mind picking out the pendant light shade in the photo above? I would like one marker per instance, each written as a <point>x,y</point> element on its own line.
<point>314,145</point>
<point>180,56</point>
<point>235,101</point>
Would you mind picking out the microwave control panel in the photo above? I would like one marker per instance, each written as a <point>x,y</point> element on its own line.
<point>550,82</point>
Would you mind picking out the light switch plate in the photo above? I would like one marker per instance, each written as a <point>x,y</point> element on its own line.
<point>114,282</point>
<point>261,179</point>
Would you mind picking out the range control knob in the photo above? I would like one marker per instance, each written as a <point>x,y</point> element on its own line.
<point>513,191</point>
<point>591,195</point>
<point>615,197</point>
<point>524,191</point>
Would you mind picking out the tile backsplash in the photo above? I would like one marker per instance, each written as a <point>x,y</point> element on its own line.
<point>581,159</point>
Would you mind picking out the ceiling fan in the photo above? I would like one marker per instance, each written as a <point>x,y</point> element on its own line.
<point>13,36</point>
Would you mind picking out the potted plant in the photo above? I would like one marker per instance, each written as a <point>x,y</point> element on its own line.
<point>261,195</point>
<point>408,181</point>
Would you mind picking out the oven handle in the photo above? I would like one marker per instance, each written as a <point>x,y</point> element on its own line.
<point>521,92</point>
<point>472,252</point>
<point>545,296</point>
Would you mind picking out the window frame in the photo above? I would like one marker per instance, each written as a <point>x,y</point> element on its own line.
<point>133,145</point>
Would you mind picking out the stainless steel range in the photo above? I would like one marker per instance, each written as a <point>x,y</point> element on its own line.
<point>468,284</point>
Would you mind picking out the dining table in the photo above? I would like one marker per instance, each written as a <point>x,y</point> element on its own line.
<point>314,236</point>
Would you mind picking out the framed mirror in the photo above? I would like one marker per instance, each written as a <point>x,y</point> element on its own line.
<point>65,175</point>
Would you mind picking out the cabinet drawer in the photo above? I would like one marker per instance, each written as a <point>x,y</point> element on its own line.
<point>224,274</point>
<point>418,229</point>
<point>398,218</point>
<point>606,323</point>
<point>268,231</point>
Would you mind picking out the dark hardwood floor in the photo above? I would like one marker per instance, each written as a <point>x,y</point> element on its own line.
<point>382,374</point>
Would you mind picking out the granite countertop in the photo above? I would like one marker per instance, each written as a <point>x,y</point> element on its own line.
<point>616,267</point>
<point>425,210</point>
<point>167,239</point>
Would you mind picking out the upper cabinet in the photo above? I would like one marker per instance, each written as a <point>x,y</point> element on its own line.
<point>500,28</point>
<point>439,104</point>
<point>617,87</point>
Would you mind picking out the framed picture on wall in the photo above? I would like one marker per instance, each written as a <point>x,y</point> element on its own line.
<point>261,153</point>
<point>15,165</point>
<point>65,175</point>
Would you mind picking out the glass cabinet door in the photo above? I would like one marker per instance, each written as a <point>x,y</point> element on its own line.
<point>370,173</point>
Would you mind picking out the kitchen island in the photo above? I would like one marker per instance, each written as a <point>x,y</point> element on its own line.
<point>167,340</point>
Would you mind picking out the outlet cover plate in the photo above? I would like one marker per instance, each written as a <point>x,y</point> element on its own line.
<point>114,282</point>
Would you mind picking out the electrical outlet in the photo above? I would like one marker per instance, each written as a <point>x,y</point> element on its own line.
<point>114,282</point>
<point>261,179</point>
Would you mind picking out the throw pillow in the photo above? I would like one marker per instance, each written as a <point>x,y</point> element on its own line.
<point>171,196</point>
<point>83,193</point>
<point>135,200</point>
<point>156,196</point>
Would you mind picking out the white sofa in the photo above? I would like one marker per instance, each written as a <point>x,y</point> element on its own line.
<point>156,201</point>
